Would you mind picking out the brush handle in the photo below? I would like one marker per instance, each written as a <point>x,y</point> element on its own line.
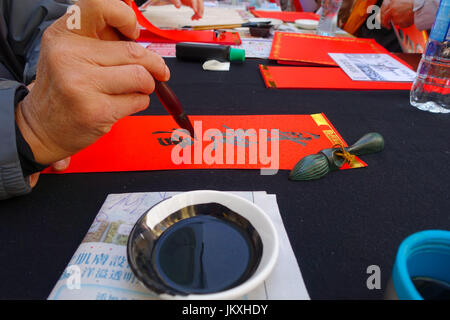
<point>369,143</point>
<point>168,98</point>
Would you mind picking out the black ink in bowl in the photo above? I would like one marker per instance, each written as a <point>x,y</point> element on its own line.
<point>203,254</point>
<point>200,249</point>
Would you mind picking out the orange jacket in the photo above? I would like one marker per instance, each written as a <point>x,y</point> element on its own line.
<point>358,15</point>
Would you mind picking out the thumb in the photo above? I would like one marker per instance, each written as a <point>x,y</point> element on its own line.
<point>61,165</point>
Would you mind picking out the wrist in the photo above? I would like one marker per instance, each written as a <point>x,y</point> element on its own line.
<point>26,157</point>
<point>41,152</point>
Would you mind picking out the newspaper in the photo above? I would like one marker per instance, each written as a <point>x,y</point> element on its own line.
<point>373,67</point>
<point>99,269</point>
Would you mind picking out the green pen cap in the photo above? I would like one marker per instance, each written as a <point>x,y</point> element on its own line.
<point>237,54</point>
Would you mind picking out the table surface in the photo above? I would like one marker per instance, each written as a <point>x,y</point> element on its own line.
<point>338,226</point>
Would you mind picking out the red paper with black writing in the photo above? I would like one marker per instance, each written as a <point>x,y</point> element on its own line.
<point>321,78</point>
<point>140,143</point>
<point>314,49</point>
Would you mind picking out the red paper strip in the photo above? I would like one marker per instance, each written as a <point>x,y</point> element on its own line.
<point>154,34</point>
<point>314,49</point>
<point>321,78</point>
<point>303,64</point>
<point>140,143</point>
<point>225,38</point>
<point>286,16</point>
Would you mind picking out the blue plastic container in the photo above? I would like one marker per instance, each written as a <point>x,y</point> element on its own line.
<point>423,254</point>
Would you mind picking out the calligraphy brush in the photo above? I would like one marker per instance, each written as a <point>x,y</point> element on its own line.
<point>317,165</point>
<point>170,101</point>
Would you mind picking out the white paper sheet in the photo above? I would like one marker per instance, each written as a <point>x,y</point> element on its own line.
<point>101,266</point>
<point>256,47</point>
<point>171,17</point>
<point>373,67</point>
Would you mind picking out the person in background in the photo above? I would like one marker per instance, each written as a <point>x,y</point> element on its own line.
<point>405,13</point>
<point>357,18</point>
<point>307,5</point>
<point>310,5</point>
<point>196,5</point>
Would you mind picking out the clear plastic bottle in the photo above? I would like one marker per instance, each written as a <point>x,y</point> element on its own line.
<point>431,88</point>
<point>328,17</point>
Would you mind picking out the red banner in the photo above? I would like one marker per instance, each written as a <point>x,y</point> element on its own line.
<point>139,143</point>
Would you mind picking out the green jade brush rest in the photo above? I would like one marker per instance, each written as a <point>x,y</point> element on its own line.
<point>317,165</point>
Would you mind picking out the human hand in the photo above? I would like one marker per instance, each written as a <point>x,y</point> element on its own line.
<point>398,12</point>
<point>87,80</point>
<point>196,5</point>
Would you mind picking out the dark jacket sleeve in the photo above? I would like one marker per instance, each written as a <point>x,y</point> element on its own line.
<point>12,181</point>
<point>22,23</point>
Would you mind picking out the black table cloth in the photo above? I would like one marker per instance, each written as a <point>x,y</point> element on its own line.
<point>338,226</point>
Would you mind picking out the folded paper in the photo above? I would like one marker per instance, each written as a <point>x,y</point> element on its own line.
<point>313,49</point>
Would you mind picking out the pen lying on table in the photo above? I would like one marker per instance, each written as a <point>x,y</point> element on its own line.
<point>230,26</point>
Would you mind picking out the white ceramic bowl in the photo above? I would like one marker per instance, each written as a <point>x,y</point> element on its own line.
<point>307,24</point>
<point>246,209</point>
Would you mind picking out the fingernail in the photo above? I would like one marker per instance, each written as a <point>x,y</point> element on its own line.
<point>138,31</point>
<point>61,165</point>
<point>58,166</point>
<point>167,73</point>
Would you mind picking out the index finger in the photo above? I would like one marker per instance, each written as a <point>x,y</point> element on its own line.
<point>201,8</point>
<point>126,53</point>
